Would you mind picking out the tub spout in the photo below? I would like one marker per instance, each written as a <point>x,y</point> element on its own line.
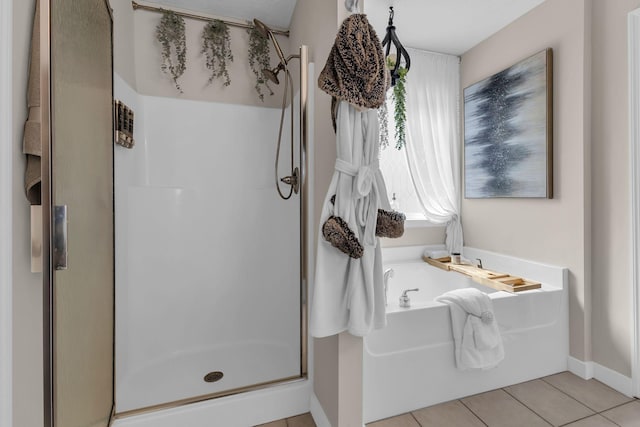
<point>387,274</point>
<point>405,301</point>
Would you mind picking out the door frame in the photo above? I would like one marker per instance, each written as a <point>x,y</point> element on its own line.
<point>634,155</point>
<point>46,189</point>
<point>6,208</point>
<point>47,186</point>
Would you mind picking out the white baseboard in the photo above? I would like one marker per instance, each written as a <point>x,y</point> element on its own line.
<point>613,379</point>
<point>317,412</point>
<point>582,369</point>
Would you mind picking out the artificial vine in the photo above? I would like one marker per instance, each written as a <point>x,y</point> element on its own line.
<point>216,45</point>
<point>171,35</point>
<point>259,56</point>
<point>383,118</point>
<point>400,109</point>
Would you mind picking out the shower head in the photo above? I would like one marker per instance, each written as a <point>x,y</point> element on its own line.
<point>266,32</point>
<point>272,75</point>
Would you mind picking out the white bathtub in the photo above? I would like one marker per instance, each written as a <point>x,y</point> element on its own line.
<point>410,364</point>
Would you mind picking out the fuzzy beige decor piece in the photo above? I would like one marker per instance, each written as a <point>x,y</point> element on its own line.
<point>390,224</point>
<point>355,70</point>
<point>337,232</point>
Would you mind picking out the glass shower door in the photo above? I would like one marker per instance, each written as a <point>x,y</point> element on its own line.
<point>81,289</point>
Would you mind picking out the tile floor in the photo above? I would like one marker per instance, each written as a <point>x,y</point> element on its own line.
<point>303,420</point>
<point>558,400</point>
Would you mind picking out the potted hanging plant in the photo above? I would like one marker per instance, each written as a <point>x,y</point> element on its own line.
<point>399,96</point>
<point>171,36</point>
<point>259,58</point>
<point>216,46</point>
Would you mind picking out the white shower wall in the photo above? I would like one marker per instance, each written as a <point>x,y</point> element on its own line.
<point>207,254</point>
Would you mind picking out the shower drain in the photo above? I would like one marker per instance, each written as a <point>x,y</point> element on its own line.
<point>214,376</point>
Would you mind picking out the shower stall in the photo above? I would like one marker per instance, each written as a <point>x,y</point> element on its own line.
<point>210,261</point>
<point>208,294</point>
<point>209,284</point>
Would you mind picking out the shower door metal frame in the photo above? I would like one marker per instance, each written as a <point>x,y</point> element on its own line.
<point>304,210</point>
<point>304,267</point>
<point>46,190</point>
<point>46,186</point>
<point>633,31</point>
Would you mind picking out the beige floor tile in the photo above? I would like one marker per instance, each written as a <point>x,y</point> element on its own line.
<point>592,421</point>
<point>550,403</point>
<point>279,423</point>
<point>405,420</point>
<point>627,415</point>
<point>450,414</point>
<point>498,409</point>
<point>304,420</point>
<point>591,393</point>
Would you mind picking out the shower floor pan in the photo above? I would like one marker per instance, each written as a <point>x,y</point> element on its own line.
<point>180,378</point>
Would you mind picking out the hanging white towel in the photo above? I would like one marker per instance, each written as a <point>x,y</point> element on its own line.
<point>478,344</point>
<point>349,293</point>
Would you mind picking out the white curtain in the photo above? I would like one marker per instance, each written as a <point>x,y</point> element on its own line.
<point>433,139</point>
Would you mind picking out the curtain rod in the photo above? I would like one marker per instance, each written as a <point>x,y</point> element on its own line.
<point>238,24</point>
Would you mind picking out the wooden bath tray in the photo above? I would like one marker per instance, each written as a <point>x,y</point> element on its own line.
<point>492,279</point>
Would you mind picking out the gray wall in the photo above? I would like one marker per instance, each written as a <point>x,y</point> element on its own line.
<point>27,287</point>
<point>587,227</point>
<point>556,231</point>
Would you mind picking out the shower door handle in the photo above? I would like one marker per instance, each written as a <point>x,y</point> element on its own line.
<point>60,237</point>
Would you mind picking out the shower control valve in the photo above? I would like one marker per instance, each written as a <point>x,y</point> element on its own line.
<point>405,301</point>
<point>293,180</point>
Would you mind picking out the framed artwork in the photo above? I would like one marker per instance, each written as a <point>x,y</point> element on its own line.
<point>508,132</point>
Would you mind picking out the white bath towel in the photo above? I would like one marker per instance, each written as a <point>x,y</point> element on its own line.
<point>478,344</point>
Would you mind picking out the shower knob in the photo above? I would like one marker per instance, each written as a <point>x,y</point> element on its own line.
<point>293,180</point>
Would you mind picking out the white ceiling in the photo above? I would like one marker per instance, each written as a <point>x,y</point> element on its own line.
<point>446,26</point>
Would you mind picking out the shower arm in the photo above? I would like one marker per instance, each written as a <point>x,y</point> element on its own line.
<point>292,56</point>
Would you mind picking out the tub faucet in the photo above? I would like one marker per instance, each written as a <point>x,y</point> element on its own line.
<point>404,298</point>
<point>388,273</point>
<point>479,263</point>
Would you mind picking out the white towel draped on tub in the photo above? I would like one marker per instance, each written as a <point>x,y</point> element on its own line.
<point>349,293</point>
<point>478,344</point>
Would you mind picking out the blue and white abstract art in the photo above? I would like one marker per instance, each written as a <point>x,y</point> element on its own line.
<point>508,132</point>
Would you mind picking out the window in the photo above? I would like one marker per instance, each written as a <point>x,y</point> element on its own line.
<point>395,170</point>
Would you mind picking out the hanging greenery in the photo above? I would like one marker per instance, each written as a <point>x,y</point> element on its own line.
<point>400,109</point>
<point>170,33</point>
<point>383,118</point>
<point>399,96</point>
<point>216,45</point>
<point>259,58</point>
